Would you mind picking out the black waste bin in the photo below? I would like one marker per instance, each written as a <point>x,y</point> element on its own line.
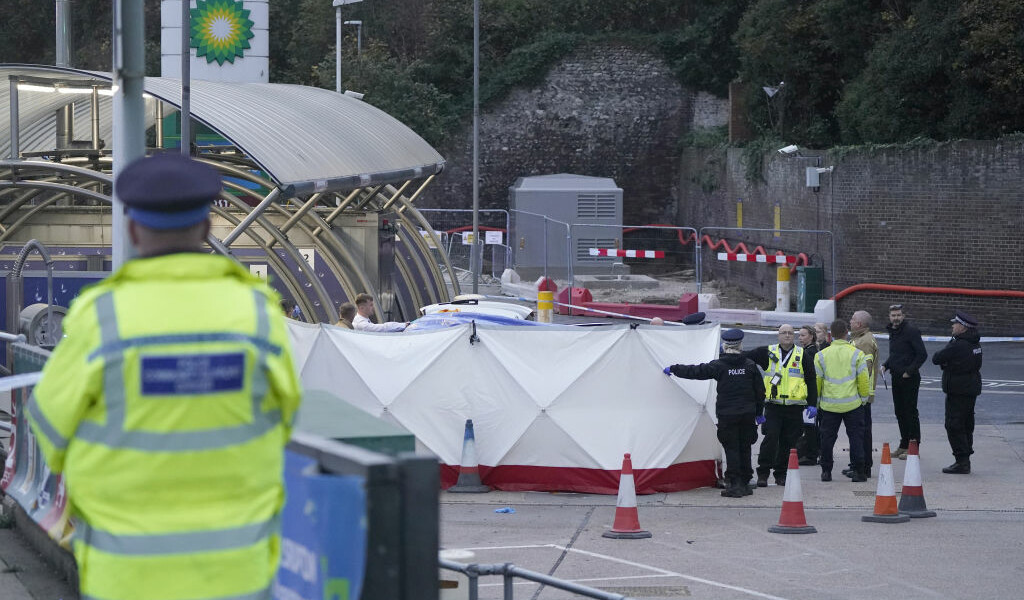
<point>809,287</point>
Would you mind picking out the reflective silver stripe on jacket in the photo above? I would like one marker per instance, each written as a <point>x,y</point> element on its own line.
<point>854,370</point>
<point>112,433</point>
<point>45,426</point>
<point>772,365</point>
<point>188,542</point>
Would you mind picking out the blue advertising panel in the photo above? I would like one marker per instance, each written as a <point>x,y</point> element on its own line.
<point>323,534</point>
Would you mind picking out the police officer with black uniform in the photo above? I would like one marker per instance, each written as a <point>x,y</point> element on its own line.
<point>961,381</point>
<point>740,405</point>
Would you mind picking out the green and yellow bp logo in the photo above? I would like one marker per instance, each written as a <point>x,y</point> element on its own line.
<point>221,30</point>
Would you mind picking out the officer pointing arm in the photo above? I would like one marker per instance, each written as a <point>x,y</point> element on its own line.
<point>740,400</point>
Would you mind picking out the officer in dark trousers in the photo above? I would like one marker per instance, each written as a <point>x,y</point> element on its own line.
<point>906,355</point>
<point>791,387</point>
<point>739,407</point>
<point>961,381</point>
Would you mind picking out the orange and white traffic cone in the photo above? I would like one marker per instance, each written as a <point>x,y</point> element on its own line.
<point>627,519</point>
<point>885,496</point>
<point>469,472</point>
<point>912,497</point>
<point>792,519</point>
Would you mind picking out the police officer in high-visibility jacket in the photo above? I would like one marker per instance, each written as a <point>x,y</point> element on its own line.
<point>790,388</point>
<point>168,404</point>
<point>844,385</point>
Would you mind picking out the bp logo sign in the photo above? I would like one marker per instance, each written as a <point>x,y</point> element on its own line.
<point>221,30</point>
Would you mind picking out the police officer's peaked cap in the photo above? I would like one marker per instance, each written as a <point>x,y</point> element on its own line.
<point>168,191</point>
<point>732,335</point>
<point>964,319</point>
<point>696,318</point>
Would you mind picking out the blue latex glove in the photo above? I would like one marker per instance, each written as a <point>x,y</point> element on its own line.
<point>667,371</point>
<point>760,420</point>
<point>506,510</point>
<point>812,411</point>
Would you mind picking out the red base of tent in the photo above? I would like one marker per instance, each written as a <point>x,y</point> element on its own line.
<point>523,478</point>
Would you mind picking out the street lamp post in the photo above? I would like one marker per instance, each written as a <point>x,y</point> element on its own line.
<point>359,35</point>
<point>337,40</point>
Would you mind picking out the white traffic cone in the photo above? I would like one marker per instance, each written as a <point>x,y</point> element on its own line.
<point>912,497</point>
<point>627,519</point>
<point>885,497</point>
<point>469,472</point>
<point>792,519</point>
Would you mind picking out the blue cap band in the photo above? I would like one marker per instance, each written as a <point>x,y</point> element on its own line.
<point>169,220</point>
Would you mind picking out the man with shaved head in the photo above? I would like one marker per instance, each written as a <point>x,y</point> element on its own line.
<point>790,387</point>
<point>862,338</point>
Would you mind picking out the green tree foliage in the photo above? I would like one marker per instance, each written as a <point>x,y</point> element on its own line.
<point>903,91</point>
<point>854,70</point>
<point>813,47</point>
<point>28,33</point>
<point>701,51</point>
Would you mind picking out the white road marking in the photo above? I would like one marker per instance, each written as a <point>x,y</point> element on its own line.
<point>660,572</point>
<point>592,579</point>
<point>667,572</point>
<point>984,391</point>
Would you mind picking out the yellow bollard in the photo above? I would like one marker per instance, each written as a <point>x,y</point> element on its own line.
<point>545,306</point>
<point>782,290</point>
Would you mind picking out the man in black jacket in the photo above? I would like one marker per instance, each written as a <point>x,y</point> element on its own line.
<point>791,386</point>
<point>739,406</point>
<point>961,381</point>
<point>906,355</point>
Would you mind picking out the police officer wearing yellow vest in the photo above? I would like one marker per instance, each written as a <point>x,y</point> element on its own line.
<point>167,406</point>
<point>790,387</point>
<point>844,385</point>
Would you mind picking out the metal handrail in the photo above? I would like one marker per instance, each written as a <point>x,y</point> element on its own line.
<point>508,571</point>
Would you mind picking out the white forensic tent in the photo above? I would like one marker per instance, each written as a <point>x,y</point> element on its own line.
<point>553,408</point>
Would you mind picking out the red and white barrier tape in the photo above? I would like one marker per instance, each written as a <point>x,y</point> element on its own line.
<point>761,258</point>
<point>627,253</point>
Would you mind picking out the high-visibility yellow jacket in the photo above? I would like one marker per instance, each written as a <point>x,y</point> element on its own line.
<point>843,383</point>
<point>792,389</point>
<point>865,342</point>
<point>167,407</point>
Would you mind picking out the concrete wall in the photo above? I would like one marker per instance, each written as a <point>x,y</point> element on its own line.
<point>605,111</point>
<point>950,215</point>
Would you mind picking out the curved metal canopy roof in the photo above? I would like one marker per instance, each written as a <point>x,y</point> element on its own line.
<point>306,139</point>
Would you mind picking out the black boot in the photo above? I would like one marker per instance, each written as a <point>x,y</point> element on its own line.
<point>960,467</point>
<point>733,491</point>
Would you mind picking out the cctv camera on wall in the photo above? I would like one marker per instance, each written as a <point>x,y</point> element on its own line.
<point>789,149</point>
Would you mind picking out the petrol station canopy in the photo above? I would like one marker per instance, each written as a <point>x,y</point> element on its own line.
<point>306,139</point>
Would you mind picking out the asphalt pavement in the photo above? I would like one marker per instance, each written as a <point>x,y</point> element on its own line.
<point>706,546</point>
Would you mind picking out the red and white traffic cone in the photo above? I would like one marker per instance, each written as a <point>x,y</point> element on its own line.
<point>912,497</point>
<point>469,472</point>
<point>627,519</point>
<point>792,519</point>
<point>885,497</point>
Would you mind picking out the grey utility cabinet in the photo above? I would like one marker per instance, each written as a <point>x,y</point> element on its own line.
<point>592,205</point>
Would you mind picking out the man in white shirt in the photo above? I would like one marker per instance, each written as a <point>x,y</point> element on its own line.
<point>362,322</point>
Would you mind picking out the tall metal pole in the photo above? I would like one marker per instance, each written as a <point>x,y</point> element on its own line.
<point>63,18</point>
<point>129,124</point>
<point>474,260</point>
<point>337,48</point>
<point>186,79</point>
